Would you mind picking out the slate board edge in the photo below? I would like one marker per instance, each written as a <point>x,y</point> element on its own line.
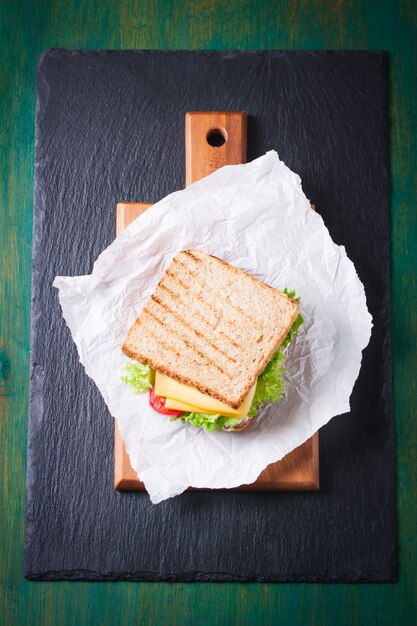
<point>85,575</point>
<point>35,371</point>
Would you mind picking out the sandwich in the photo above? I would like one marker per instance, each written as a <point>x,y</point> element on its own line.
<point>209,346</point>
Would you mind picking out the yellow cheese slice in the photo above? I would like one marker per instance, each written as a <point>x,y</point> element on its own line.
<point>178,405</point>
<point>183,406</point>
<point>185,398</point>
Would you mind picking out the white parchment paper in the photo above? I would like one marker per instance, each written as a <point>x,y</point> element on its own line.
<point>256,217</point>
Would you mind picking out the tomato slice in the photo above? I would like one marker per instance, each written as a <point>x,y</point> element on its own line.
<point>158,405</point>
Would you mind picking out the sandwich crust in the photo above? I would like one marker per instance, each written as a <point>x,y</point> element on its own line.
<point>243,427</point>
<point>212,326</point>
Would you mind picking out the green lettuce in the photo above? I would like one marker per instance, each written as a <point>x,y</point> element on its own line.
<point>270,385</point>
<point>208,422</point>
<point>138,376</point>
<point>296,325</point>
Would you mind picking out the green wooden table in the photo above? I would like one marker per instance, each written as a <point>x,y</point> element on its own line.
<point>28,28</point>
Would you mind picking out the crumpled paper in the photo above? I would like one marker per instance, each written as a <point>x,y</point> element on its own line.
<point>256,217</point>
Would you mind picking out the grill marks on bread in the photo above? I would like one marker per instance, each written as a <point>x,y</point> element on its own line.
<point>171,312</point>
<point>210,289</point>
<point>183,339</point>
<point>204,303</point>
<point>211,326</point>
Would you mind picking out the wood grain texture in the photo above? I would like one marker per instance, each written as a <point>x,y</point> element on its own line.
<point>201,159</point>
<point>29,28</point>
<point>299,470</point>
<point>125,477</point>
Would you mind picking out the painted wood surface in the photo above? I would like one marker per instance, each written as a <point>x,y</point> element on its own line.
<point>28,28</point>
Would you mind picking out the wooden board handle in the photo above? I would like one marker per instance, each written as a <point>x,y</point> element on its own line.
<point>213,139</point>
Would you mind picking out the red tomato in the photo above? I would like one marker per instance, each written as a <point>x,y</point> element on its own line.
<point>158,404</point>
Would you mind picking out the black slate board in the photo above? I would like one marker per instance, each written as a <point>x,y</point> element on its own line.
<point>110,127</point>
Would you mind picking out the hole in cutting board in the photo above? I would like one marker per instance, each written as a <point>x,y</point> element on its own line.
<point>216,137</point>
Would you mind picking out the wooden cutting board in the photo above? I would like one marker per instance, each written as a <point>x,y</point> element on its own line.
<point>212,140</point>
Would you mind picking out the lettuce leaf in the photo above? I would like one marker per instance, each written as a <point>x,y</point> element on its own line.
<point>270,385</point>
<point>296,325</point>
<point>208,422</point>
<point>138,376</point>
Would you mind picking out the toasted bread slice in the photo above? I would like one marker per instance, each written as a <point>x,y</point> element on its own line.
<point>211,326</point>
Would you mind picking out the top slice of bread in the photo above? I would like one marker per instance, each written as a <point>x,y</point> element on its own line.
<point>211,326</point>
